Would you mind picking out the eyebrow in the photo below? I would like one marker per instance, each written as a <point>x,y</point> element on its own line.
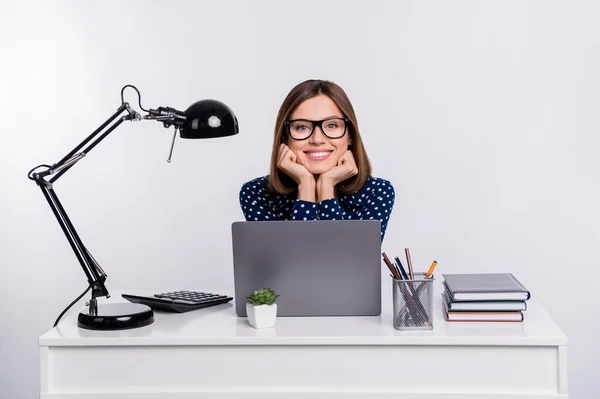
<point>327,117</point>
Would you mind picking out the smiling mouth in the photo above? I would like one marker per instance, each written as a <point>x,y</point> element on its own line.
<point>318,155</point>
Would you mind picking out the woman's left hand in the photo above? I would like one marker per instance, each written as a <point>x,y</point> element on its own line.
<point>346,168</point>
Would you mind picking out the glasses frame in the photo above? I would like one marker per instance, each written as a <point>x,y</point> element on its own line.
<point>314,125</point>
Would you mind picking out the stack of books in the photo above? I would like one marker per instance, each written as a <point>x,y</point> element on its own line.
<point>484,297</point>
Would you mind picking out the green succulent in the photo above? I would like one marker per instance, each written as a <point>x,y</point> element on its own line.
<point>264,296</point>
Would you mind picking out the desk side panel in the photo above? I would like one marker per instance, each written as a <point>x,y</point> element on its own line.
<point>304,371</point>
<point>44,369</point>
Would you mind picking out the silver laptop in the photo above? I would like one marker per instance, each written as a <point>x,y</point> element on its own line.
<point>319,267</point>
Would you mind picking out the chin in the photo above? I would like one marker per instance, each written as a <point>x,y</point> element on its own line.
<point>319,169</point>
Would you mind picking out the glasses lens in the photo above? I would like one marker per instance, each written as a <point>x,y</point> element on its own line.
<point>300,130</point>
<point>334,128</point>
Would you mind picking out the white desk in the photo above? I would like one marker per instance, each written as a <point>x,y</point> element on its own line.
<point>210,353</point>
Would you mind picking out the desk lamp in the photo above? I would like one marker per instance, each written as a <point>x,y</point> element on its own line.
<point>204,119</point>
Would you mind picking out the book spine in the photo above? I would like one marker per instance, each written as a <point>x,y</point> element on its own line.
<point>517,282</point>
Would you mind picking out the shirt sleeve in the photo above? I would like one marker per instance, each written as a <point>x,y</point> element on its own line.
<point>304,210</point>
<point>256,207</point>
<point>254,204</point>
<point>331,210</point>
<point>379,204</point>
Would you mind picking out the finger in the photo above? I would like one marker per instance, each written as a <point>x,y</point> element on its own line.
<point>351,156</point>
<point>347,160</point>
<point>351,159</point>
<point>281,156</point>
<point>282,150</point>
<point>282,147</point>
<point>292,156</point>
<point>343,159</point>
<point>352,162</point>
<point>285,158</point>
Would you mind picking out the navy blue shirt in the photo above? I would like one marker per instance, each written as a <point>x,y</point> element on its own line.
<point>374,200</point>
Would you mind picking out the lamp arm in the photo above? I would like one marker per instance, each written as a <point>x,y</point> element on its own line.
<point>95,275</point>
<point>60,167</point>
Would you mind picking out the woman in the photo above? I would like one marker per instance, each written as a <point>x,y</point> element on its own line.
<point>319,166</point>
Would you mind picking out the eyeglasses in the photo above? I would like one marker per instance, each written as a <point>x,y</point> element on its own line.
<point>302,129</point>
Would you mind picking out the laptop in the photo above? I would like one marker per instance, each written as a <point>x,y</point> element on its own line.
<point>319,267</point>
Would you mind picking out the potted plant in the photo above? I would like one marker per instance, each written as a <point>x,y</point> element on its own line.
<point>261,308</point>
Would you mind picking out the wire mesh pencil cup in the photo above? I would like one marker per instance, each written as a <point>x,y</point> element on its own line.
<point>413,303</point>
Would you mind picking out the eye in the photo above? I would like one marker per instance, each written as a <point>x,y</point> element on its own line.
<point>300,126</point>
<point>331,126</point>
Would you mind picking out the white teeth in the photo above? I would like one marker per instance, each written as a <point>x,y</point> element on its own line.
<point>318,154</point>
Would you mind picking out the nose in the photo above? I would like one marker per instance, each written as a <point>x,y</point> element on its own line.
<point>317,137</point>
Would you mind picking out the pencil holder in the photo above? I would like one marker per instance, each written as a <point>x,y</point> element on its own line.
<point>413,303</point>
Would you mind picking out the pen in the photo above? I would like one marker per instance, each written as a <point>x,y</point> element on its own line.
<point>401,268</point>
<point>430,271</point>
<point>398,270</point>
<point>410,268</point>
<point>390,266</point>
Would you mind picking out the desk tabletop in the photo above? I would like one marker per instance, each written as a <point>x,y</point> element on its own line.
<point>219,325</point>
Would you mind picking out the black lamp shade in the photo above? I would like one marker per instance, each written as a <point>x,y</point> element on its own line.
<point>207,119</point>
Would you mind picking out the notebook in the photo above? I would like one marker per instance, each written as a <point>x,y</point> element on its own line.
<point>485,287</point>
<point>482,316</point>
<point>474,306</point>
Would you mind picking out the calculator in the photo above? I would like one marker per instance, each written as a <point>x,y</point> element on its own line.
<point>179,301</point>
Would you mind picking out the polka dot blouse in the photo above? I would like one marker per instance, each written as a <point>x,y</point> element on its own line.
<point>374,200</point>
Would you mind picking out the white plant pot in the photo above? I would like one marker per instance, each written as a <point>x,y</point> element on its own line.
<point>261,316</point>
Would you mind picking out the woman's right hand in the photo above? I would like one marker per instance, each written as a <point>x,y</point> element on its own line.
<point>286,162</point>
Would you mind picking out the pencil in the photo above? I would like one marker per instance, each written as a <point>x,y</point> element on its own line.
<point>410,268</point>
<point>430,271</point>
<point>390,266</point>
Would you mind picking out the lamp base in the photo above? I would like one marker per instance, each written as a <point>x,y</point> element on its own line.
<point>117,316</point>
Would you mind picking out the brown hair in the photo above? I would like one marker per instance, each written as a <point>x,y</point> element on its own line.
<point>280,182</point>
